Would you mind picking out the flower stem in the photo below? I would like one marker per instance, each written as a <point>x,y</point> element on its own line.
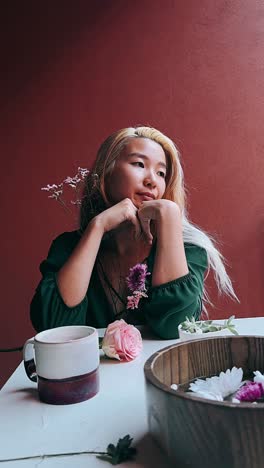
<point>64,205</point>
<point>50,455</point>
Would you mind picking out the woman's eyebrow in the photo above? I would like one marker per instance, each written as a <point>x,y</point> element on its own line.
<point>143,156</point>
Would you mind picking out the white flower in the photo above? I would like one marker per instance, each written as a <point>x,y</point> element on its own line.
<point>206,389</point>
<point>208,395</point>
<point>219,387</point>
<point>174,386</point>
<point>259,377</point>
<point>55,190</point>
<point>83,172</point>
<point>72,181</point>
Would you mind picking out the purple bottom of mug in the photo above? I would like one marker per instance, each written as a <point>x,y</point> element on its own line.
<point>68,391</point>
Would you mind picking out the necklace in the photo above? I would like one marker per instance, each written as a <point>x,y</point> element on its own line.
<point>111,287</point>
<point>116,298</point>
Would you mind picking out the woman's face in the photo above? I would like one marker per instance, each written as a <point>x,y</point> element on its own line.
<point>139,173</point>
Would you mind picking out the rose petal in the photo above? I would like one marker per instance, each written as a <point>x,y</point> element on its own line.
<point>122,340</point>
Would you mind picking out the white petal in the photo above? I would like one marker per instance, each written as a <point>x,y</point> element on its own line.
<point>258,377</point>
<point>174,386</point>
<point>235,400</point>
<point>110,352</point>
<point>208,395</point>
<point>224,385</point>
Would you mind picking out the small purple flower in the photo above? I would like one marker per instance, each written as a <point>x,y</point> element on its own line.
<point>137,277</point>
<point>252,391</point>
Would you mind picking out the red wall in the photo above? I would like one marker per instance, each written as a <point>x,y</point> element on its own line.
<point>76,71</point>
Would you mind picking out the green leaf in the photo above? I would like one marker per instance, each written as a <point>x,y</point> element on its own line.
<point>213,328</point>
<point>105,458</point>
<point>121,452</point>
<point>233,330</point>
<point>111,449</point>
<point>231,318</point>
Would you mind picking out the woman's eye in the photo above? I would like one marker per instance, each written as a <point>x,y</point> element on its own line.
<point>138,163</point>
<point>162,174</point>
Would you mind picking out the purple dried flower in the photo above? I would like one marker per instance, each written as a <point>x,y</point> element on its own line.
<point>137,277</point>
<point>250,392</point>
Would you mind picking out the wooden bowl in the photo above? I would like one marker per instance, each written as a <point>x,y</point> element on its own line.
<point>201,433</point>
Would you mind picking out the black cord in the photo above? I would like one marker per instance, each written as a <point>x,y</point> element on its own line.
<point>110,285</point>
<point>10,350</point>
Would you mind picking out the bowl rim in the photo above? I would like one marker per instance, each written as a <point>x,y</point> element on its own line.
<point>150,377</point>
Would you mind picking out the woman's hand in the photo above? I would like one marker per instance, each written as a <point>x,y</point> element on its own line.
<point>170,260</point>
<point>118,214</point>
<point>161,211</point>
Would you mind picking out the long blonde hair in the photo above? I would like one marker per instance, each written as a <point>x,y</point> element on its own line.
<point>95,197</point>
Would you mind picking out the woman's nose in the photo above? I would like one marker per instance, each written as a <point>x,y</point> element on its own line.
<point>150,180</point>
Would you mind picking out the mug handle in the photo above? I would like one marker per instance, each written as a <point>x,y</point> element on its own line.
<point>29,362</point>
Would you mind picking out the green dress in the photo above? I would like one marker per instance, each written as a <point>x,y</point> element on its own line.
<point>165,308</point>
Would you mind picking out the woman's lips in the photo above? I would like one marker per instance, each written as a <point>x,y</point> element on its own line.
<point>146,196</point>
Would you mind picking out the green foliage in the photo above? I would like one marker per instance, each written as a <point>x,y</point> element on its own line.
<point>121,452</point>
<point>208,326</point>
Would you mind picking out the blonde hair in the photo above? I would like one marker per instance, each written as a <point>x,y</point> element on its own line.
<point>96,200</point>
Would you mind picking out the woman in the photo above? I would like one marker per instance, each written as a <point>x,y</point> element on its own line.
<point>133,212</point>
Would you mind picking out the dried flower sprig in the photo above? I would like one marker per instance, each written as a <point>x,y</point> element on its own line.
<point>136,282</point>
<point>56,191</point>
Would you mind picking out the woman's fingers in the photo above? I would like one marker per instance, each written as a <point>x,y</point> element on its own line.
<point>117,214</point>
<point>145,226</point>
<point>138,230</point>
<point>149,211</point>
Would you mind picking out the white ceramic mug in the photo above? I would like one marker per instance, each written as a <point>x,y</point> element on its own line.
<point>64,361</point>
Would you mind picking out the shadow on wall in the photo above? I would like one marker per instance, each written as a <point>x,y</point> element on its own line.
<point>33,38</point>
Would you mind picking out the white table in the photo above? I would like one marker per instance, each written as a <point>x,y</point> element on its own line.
<point>29,427</point>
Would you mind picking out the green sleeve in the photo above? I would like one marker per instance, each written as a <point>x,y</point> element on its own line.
<point>170,303</point>
<point>47,309</point>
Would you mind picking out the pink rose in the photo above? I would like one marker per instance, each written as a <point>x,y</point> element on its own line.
<point>122,341</point>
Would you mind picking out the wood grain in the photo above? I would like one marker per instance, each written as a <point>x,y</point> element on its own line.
<point>197,432</point>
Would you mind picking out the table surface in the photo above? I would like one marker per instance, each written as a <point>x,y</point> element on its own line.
<point>30,428</point>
